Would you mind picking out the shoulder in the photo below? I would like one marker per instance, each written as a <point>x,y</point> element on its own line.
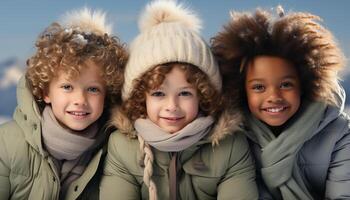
<point>11,135</point>
<point>344,119</point>
<point>331,138</point>
<point>338,128</point>
<point>234,143</point>
<point>14,153</point>
<point>120,142</point>
<point>124,151</point>
<point>230,156</point>
<point>8,127</point>
<point>230,150</point>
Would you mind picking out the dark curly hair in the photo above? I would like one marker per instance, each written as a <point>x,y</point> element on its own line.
<point>60,49</point>
<point>210,101</point>
<point>297,37</point>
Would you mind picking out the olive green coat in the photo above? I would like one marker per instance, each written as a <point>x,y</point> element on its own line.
<point>229,171</point>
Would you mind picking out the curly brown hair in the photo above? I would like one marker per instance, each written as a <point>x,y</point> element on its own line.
<point>60,49</point>
<point>210,101</point>
<point>297,37</point>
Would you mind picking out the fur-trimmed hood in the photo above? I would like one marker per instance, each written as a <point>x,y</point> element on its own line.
<point>227,123</point>
<point>298,37</point>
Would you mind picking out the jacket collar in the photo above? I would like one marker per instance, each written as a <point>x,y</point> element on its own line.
<point>27,115</point>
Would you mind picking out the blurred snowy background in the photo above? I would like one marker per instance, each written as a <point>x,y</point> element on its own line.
<point>21,21</point>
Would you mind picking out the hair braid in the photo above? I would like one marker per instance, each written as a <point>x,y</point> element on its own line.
<point>147,156</point>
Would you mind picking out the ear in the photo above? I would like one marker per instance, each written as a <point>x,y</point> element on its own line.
<point>46,97</point>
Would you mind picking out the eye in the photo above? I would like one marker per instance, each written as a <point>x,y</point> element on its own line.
<point>258,87</point>
<point>286,85</point>
<point>67,87</point>
<point>157,94</point>
<point>185,93</point>
<point>94,89</point>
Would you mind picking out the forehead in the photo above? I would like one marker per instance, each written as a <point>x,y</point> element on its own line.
<point>265,67</point>
<point>176,75</point>
<point>75,70</point>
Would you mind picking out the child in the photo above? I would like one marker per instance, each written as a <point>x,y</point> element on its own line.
<point>54,146</point>
<point>285,71</point>
<point>172,105</point>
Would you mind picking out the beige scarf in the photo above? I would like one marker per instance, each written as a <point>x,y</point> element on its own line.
<point>163,141</point>
<point>70,150</point>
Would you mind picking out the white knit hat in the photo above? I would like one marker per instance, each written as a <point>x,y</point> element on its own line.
<point>169,33</point>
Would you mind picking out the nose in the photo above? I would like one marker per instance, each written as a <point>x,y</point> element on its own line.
<point>172,104</point>
<point>79,98</point>
<point>275,96</point>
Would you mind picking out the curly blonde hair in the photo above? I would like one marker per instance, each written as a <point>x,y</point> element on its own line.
<point>60,49</point>
<point>297,37</point>
<point>210,101</point>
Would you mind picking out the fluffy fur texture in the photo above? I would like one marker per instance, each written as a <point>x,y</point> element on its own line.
<point>297,37</point>
<point>162,11</point>
<point>86,20</point>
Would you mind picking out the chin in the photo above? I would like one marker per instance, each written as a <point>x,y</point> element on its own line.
<point>78,128</point>
<point>171,131</point>
<point>279,123</point>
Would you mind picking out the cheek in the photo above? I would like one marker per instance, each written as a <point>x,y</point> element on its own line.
<point>151,108</point>
<point>58,101</point>
<point>296,99</point>
<point>192,109</point>
<point>253,101</point>
<point>102,102</point>
<point>100,99</point>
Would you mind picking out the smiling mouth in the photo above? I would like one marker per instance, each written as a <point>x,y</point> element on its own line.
<point>78,114</point>
<point>275,109</point>
<point>172,119</point>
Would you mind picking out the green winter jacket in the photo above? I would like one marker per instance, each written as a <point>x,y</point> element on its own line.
<point>26,169</point>
<point>228,171</point>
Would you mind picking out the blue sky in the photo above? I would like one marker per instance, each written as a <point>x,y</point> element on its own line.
<point>22,21</point>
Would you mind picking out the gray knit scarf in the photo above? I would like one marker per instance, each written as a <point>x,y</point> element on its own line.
<point>69,149</point>
<point>280,171</point>
<point>174,142</point>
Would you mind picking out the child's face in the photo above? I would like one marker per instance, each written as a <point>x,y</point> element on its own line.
<point>174,104</point>
<point>273,89</point>
<point>77,103</point>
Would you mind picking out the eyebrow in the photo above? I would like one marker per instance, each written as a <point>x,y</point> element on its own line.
<point>262,79</point>
<point>97,82</point>
<point>186,87</point>
<point>256,79</point>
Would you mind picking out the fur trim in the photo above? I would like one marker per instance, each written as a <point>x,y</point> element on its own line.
<point>120,121</point>
<point>227,124</point>
<point>87,20</point>
<point>162,11</point>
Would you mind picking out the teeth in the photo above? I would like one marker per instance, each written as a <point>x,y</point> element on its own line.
<point>275,110</point>
<point>78,113</point>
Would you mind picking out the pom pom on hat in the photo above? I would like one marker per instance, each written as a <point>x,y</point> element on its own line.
<point>168,33</point>
<point>86,20</point>
<point>162,11</point>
